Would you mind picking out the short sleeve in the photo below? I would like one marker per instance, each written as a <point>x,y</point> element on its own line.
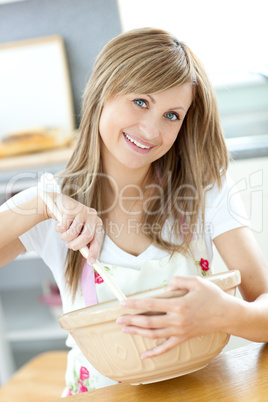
<point>47,182</point>
<point>224,209</point>
<point>19,199</point>
<point>42,238</point>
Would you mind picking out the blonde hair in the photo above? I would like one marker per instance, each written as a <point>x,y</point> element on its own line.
<point>148,61</point>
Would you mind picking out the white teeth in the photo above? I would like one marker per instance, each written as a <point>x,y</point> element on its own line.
<point>136,142</point>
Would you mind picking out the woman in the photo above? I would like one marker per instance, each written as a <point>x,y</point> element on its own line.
<point>146,189</point>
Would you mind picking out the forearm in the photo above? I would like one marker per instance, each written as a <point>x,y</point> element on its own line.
<point>248,320</point>
<point>18,220</point>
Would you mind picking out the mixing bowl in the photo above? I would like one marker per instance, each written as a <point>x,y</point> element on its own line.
<point>117,355</point>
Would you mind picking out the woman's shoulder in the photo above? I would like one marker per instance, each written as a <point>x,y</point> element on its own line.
<point>224,207</point>
<point>46,182</point>
<point>215,193</point>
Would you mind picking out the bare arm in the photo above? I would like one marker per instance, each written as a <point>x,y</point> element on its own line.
<point>11,251</point>
<point>80,226</point>
<point>239,250</point>
<point>15,222</point>
<point>206,308</point>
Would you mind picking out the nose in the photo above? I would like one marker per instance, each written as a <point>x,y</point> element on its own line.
<point>149,127</point>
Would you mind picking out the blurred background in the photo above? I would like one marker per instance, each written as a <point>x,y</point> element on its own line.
<point>47,49</point>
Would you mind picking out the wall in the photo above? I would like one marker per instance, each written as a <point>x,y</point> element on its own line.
<point>85,25</point>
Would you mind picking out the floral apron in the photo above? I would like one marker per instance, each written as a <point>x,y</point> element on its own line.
<point>81,376</point>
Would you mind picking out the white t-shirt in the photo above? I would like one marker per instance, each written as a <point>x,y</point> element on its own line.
<point>224,211</point>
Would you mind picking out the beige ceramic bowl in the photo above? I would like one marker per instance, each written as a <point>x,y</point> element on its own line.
<point>117,355</point>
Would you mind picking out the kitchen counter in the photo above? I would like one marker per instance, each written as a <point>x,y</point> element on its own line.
<point>39,380</point>
<point>23,171</point>
<point>36,160</point>
<point>238,375</point>
<point>248,147</point>
<point>20,172</point>
<point>239,148</point>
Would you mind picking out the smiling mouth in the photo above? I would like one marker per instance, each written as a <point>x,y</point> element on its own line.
<point>138,144</point>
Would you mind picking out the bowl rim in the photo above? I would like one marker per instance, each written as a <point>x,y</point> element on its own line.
<point>112,309</point>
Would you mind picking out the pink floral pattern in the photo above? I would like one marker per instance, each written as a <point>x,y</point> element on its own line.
<point>84,373</point>
<point>81,382</point>
<point>204,265</point>
<point>81,388</point>
<point>98,278</point>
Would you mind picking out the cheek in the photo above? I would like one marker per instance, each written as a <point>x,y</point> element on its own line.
<point>114,119</point>
<point>103,123</point>
<point>170,137</point>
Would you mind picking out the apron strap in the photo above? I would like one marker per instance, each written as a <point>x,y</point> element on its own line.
<point>88,285</point>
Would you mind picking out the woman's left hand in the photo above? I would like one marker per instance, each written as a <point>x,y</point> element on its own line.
<point>200,311</point>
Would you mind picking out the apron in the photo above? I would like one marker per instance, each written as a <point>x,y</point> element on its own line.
<point>81,376</point>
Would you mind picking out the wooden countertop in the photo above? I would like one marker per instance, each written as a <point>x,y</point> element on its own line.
<point>239,375</point>
<point>40,379</point>
<point>33,160</point>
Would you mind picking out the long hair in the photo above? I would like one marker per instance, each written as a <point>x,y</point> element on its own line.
<point>146,61</point>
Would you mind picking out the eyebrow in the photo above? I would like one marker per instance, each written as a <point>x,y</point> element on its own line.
<point>172,108</point>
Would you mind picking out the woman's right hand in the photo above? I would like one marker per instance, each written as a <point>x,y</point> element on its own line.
<point>80,225</point>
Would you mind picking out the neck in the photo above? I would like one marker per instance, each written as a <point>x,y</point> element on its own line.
<point>126,185</point>
<point>122,176</point>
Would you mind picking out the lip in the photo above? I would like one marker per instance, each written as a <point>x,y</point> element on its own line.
<point>135,148</point>
<point>138,139</point>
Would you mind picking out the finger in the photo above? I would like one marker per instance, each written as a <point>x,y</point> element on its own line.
<point>95,245</point>
<point>146,321</point>
<point>164,305</point>
<point>68,206</point>
<point>164,347</point>
<point>64,224</point>
<point>150,333</point>
<point>73,231</point>
<point>80,234</point>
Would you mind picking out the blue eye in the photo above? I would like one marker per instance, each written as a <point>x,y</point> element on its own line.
<point>140,102</point>
<point>172,116</point>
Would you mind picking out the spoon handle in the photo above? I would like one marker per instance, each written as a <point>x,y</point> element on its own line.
<point>84,250</point>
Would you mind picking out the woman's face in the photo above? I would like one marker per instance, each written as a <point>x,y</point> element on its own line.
<point>137,129</point>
